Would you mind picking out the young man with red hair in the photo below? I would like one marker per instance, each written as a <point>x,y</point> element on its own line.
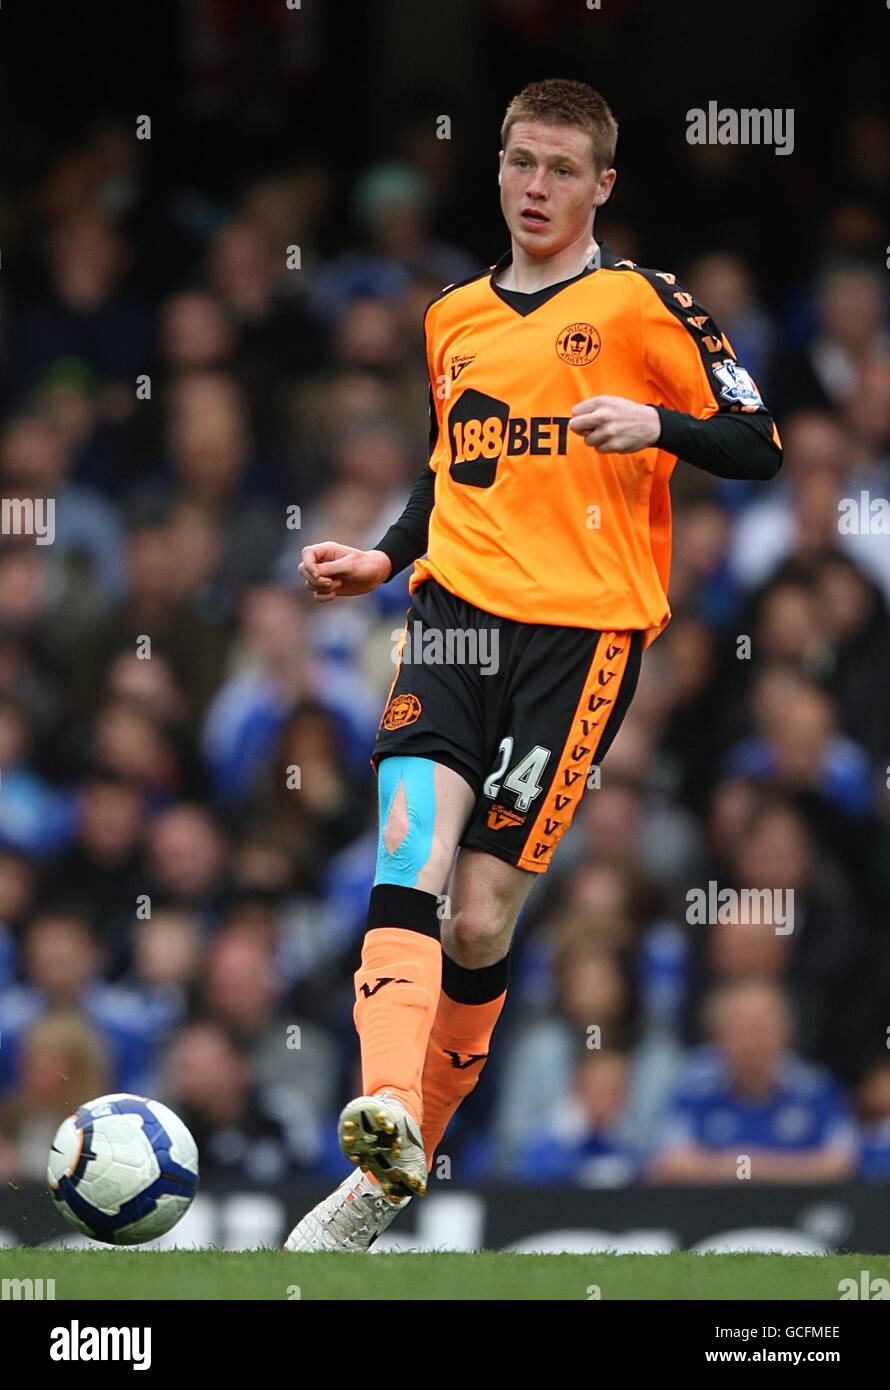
<point>564,385</point>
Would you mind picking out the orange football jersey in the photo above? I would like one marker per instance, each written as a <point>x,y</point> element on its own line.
<point>529,522</point>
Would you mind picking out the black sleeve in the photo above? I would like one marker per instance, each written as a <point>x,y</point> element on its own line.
<point>727,445</point>
<point>406,539</point>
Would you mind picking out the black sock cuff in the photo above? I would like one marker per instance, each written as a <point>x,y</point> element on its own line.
<point>474,986</point>
<point>391,905</point>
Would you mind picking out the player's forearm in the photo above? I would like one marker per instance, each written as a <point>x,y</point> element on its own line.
<point>406,539</point>
<point>729,446</point>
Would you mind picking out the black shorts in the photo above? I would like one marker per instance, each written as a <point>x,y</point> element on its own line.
<point>521,711</point>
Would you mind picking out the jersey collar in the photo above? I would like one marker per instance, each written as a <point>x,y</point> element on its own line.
<point>523,303</point>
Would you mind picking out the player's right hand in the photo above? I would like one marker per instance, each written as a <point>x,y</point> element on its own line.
<point>332,570</point>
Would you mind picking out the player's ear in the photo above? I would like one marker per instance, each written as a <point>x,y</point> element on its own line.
<point>604,185</point>
<point>500,165</point>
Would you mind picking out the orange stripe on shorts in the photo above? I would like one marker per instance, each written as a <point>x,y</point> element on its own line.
<point>598,698</point>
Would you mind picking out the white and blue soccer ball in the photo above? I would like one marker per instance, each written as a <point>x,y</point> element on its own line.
<point>123,1169</point>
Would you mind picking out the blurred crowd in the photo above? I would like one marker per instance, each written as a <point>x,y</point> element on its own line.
<point>187,811</point>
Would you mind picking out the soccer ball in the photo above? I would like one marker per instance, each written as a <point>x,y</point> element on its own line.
<point>123,1169</point>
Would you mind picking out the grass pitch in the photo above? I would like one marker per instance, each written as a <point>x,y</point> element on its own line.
<point>274,1275</point>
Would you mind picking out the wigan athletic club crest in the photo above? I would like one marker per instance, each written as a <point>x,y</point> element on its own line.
<point>579,344</point>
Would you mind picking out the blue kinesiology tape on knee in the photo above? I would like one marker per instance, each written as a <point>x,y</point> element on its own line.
<point>402,864</point>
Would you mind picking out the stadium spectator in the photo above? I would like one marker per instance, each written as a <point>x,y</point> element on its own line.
<point>63,1062</point>
<point>579,1143</point>
<point>797,746</point>
<point>747,1106</point>
<point>186,858</point>
<point>242,992</point>
<point>851,329</point>
<point>244,1136</point>
<point>87,312</point>
<point>598,1008</point>
<point>35,817</point>
<point>157,607</point>
<point>17,887</point>
<point>278,332</point>
<point>35,461</point>
<point>167,956</point>
<point>271,671</point>
<point>393,205</point>
<point>103,864</point>
<point>872,1099</point>
<point>61,967</point>
<point>855,619</point>
<point>801,517</point>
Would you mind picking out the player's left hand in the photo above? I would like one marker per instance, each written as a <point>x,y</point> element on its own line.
<point>616,426</point>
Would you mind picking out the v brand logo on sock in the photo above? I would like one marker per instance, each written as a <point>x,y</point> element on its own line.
<point>381,981</point>
<point>470,1056</point>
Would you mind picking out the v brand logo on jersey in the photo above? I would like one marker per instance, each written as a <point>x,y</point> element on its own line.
<point>458,363</point>
<point>381,981</point>
<point>499,817</point>
<point>470,1056</point>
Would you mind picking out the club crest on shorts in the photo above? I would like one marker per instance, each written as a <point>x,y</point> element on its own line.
<point>404,709</point>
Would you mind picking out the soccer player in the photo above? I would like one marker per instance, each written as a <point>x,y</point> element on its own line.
<point>564,386</point>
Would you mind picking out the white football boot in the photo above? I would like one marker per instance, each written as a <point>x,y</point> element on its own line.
<point>351,1218</point>
<point>378,1134</point>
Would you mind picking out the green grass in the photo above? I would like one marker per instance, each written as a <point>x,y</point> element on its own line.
<point>269,1274</point>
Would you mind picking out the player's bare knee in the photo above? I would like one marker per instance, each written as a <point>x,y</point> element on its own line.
<point>479,937</point>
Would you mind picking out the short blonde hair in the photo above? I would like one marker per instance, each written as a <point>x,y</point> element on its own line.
<point>560,102</point>
<point>68,1035</point>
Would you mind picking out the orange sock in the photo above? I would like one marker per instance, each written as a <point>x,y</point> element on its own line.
<point>397,993</point>
<point>459,1042</point>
